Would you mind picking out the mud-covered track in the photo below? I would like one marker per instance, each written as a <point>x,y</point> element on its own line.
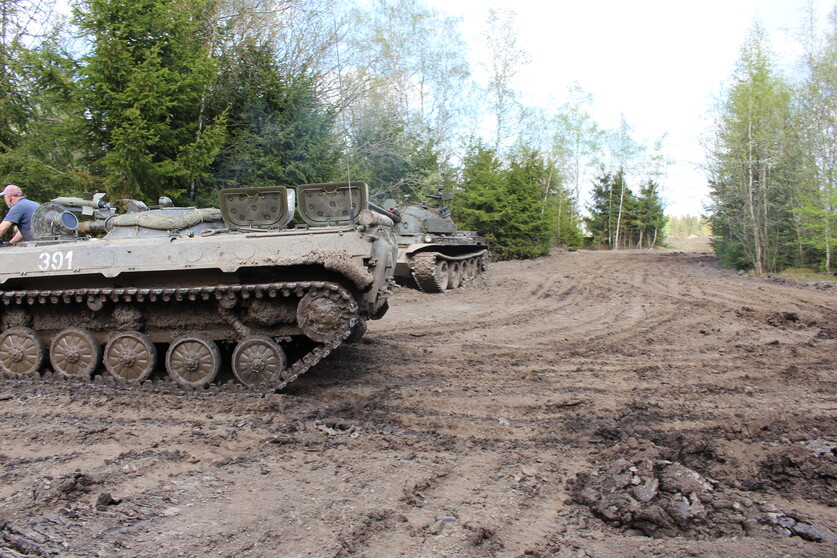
<point>434,272</point>
<point>26,345</point>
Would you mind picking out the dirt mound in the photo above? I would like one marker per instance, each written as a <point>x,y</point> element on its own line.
<point>809,468</point>
<point>667,499</point>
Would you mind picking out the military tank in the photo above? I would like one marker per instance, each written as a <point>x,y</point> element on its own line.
<point>431,250</point>
<point>185,293</point>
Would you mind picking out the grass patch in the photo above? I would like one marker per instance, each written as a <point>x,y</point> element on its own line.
<point>690,244</point>
<point>804,274</point>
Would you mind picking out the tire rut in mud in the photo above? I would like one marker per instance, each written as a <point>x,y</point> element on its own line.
<point>487,421</point>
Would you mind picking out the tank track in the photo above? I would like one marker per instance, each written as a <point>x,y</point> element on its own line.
<point>424,269</point>
<point>96,296</point>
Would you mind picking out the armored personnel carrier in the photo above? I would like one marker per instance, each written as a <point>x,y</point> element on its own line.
<point>431,250</point>
<point>201,291</point>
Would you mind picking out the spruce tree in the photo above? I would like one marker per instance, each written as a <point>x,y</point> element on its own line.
<point>145,82</point>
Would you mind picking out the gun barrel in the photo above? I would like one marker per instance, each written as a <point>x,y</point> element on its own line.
<point>368,217</point>
<point>93,227</point>
<point>391,214</point>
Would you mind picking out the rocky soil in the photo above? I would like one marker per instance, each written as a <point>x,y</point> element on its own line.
<point>587,404</point>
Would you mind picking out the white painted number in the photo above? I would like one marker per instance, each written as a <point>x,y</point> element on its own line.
<point>56,261</point>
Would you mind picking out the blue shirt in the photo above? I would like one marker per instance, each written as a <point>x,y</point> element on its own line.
<point>21,215</point>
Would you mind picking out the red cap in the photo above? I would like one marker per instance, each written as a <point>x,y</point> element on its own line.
<point>13,191</point>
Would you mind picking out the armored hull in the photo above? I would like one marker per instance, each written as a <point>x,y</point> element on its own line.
<point>193,293</point>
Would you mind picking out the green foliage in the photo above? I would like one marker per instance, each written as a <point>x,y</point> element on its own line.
<point>394,162</point>
<point>14,103</point>
<point>562,214</point>
<point>37,180</point>
<point>527,230</point>
<point>730,250</point>
<point>650,219</point>
<point>603,207</point>
<point>559,201</point>
<point>619,219</point>
<point>14,112</point>
<point>817,117</point>
<point>755,186</point>
<point>405,83</point>
<point>144,84</point>
<point>818,218</point>
<point>731,253</point>
<point>506,205</point>
<point>43,150</point>
<point>279,132</point>
<point>474,207</point>
<point>684,226</point>
<point>56,139</point>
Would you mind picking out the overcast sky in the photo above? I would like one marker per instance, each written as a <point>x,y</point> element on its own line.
<point>658,62</point>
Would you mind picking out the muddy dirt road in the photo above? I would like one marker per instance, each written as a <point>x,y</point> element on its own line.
<point>585,404</point>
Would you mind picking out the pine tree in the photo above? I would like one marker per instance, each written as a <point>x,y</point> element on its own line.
<point>651,219</point>
<point>145,82</point>
<point>818,117</point>
<point>505,205</point>
<point>751,212</point>
<point>278,132</point>
<point>609,200</point>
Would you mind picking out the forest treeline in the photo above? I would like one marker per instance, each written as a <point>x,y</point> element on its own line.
<point>684,226</point>
<point>772,158</point>
<point>180,98</point>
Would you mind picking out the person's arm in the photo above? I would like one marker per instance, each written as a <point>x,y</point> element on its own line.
<point>5,226</point>
<point>12,218</point>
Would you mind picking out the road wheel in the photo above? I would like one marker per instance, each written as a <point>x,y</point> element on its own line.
<point>468,273</point>
<point>442,275</point>
<point>193,360</point>
<point>75,353</point>
<point>258,360</point>
<point>130,355</point>
<point>22,352</point>
<point>454,275</point>
<point>325,317</point>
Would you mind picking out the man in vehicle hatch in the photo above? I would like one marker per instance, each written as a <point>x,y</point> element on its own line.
<point>19,214</point>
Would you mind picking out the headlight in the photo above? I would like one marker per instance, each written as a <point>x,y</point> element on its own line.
<point>428,239</point>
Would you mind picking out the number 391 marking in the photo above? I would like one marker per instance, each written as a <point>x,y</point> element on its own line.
<point>56,261</point>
